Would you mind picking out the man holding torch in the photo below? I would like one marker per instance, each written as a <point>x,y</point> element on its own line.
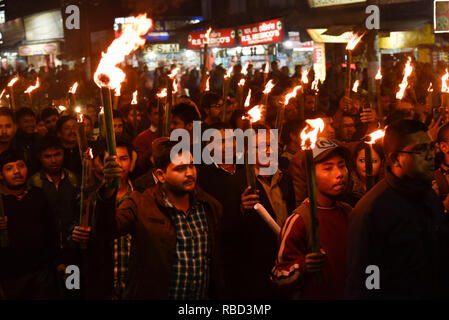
<point>297,268</point>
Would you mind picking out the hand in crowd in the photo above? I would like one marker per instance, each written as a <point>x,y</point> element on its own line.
<point>4,223</point>
<point>368,115</point>
<point>81,234</point>
<point>315,261</point>
<point>249,200</point>
<point>111,171</point>
<point>345,103</point>
<point>435,126</point>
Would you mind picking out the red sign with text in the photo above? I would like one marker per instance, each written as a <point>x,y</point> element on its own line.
<point>261,33</point>
<point>221,38</point>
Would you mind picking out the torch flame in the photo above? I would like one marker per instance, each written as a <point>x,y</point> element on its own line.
<point>3,92</point>
<point>101,110</point>
<point>207,35</point>
<point>173,73</point>
<point>207,84</point>
<point>356,86</point>
<point>315,85</point>
<point>117,92</point>
<point>309,135</point>
<point>255,113</point>
<point>228,73</point>
<point>248,99</point>
<point>267,68</point>
<point>108,74</point>
<point>304,78</point>
<point>134,101</point>
<point>241,83</point>
<point>430,89</point>
<point>378,75</point>
<point>291,94</point>
<point>162,93</point>
<point>32,88</point>
<point>78,109</point>
<point>13,81</point>
<point>80,117</point>
<point>444,79</point>
<point>268,87</point>
<point>375,136</point>
<point>90,153</point>
<point>73,88</point>
<point>62,108</point>
<point>354,41</point>
<point>404,84</point>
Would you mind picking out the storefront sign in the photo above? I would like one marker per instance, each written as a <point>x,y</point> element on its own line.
<point>261,33</point>
<point>441,16</point>
<point>319,61</point>
<point>318,36</point>
<point>220,38</point>
<point>407,39</point>
<point>330,3</point>
<point>39,49</point>
<point>44,26</point>
<point>12,32</point>
<point>164,48</point>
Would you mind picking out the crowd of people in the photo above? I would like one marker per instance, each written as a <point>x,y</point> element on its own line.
<point>178,230</point>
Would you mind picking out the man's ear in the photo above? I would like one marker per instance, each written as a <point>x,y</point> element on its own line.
<point>133,161</point>
<point>160,175</point>
<point>394,159</point>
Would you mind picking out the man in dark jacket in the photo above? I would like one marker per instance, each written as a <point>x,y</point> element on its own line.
<point>174,226</point>
<point>397,242</point>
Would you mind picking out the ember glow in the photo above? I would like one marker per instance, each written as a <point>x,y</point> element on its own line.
<point>73,88</point>
<point>354,41</point>
<point>356,86</point>
<point>108,74</point>
<point>309,135</point>
<point>291,94</point>
<point>378,75</point>
<point>13,81</point>
<point>268,87</point>
<point>304,75</point>
<point>255,113</point>
<point>248,99</point>
<point>162,93</point>
<point>134,101</point>
<point>404,84</point>
<point>375,136</point>
<point>32,88</point>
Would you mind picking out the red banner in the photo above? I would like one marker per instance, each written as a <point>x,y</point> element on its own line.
<point>261,33</point>
<point>221,38</point>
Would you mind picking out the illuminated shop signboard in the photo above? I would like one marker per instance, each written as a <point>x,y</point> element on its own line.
<point>220,38</point>
<point>261,33</point>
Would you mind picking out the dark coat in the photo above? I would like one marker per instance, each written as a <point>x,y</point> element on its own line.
<point>397,226</point>
<point>146,218</point>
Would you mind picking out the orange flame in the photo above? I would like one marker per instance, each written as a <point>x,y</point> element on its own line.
<point>207,84</point>
<point>117,92</point>
<point>255,113</point>
<point>162,93</point>
<point>134,101</point>
<point>304,78</point>
<point>241,82</point>
<point>444,79</point>
<point>356,86</point>
<point>315,85</point>
<point>291,94</point>
<point>228,73</point>
<point>101,110</point>
<point>62,108</point>
<point>173,73</point>
<point>378,75</point>
<point>207,35</point>
<point>430,89</point>
<point>404,84</point>
<point>375,136</point>
<point>3,92</point>
<point>354,41</point>
<point>80,117</point>
<point>245,68</point>
<point>73,88</point>
<point>309,135</point>
<point>268,87</point>
<point>32,88</point>
<point>78,109</point>
<point>175,86</point>
<point>248,99</point>
<point>267,68</point>
<point>108,74</point>
<point>13,81</point>
<point>90,153</point>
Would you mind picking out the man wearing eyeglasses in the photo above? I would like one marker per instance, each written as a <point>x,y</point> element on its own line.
<point>212,105</point>
<point>397,236</point>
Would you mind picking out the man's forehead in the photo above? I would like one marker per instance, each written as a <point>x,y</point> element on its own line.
<point>420,137</point>
<point>182,158</point>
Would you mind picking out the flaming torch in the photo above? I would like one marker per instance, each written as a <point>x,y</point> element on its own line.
<point>378,94</point>
<point>444,90</point>
<point>170,91</point>
<point>429,98</point>
<point>349,47</point>
<point>101,123</point>
<point>315,90</point>
<point>10,86</point>
<point>404,84</point>
<point>239,94</point>
<point>134,104</point>
<point>205,57</point>
<point>266,92</point>
<point>31,89</point>
<point>253,115</point>
<point>86,189</point>
<point>281,110</point>
<point>72,97</point>
<point>369,141</point>
<point>161,107</point>
<point>266,72</point>
<point>226,86</point>
<point>304,77</point>
<point>309,136</point>
<point>109,77</point>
